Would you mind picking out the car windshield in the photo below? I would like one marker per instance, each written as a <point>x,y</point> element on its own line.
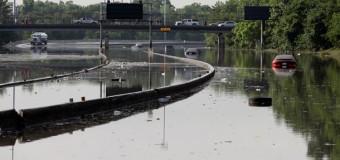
<point>285,57</point>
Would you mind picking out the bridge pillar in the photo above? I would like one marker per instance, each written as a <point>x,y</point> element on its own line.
<point>106,45</point>
<point>221,43</point>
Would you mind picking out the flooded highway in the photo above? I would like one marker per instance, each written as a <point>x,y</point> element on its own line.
<point>219,121</point>
<point>131,67</point>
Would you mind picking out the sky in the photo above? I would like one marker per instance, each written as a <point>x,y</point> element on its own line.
<point>176,3</point>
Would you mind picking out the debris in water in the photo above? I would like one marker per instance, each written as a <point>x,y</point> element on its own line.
<point>329,144</point>
<point>117,113</point>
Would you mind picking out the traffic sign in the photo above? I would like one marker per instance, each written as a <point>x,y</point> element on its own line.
<point>165,29</point>
<point>124,11</point>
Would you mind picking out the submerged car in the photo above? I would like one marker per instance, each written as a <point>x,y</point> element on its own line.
<point>260,102</point>
<point>192,53</point>
<point>284,61</point>
<point>169,49</point>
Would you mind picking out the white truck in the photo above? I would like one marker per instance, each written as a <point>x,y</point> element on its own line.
<point>39,38</point>
<point>85,21</point>
<point>188,22</point>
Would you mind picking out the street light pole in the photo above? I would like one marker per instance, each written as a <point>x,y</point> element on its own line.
<point>15,11</point>
<point>150,24</point>
<point>165,18</point>
<point>101,21</point>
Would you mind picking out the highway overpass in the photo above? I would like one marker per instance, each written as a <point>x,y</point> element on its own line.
<point>145,28</point>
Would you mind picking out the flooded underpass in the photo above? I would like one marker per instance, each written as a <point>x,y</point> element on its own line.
<point>217,121</point>
<point>128,71</point>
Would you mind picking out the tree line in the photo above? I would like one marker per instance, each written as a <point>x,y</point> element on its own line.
<point>293,25</point>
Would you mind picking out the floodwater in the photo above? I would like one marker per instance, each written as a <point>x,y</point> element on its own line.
<point>217,122</point>
<point>128,72</point>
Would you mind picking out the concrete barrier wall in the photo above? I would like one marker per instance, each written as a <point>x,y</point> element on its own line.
<point>79,109</point>
<point>10,120</point>
<point>42,115</point>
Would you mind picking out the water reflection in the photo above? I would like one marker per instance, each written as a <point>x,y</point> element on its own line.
<point>69,126</point>
<point>120,89</point>
<point>138,75</point>
<point>284,72</point>
<point>305,98</point>
<point>257,87</point>
<point>39,52</point>
<point>305,111</point>
<point>34,133</point>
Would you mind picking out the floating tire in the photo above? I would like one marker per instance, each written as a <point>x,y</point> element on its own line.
<point>260,102</point>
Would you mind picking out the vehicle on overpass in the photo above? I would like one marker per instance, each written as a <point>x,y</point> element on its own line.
<point>215,24</point>
<point>85,21</point>
<point>227,24</point>
<point>39,38</point>
<point>188,22</point>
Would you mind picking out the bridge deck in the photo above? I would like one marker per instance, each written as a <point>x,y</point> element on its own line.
<point>155,28</point>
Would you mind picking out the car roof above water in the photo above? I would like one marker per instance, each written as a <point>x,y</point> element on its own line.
<point>285,56</point>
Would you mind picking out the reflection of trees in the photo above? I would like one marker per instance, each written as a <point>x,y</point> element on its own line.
<point>139,75</point>
<point>239,58</point>
<point>6,75</point>
<point>36,69</point>
<point>308,102</point>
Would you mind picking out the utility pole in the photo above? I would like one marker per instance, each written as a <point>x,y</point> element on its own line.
<point>165,19</point>
<point>14,11</point>
<point>150,26</point>
<point>101,21</point>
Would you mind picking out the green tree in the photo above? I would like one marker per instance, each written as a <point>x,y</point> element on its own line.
<point>194,11</point>
<point>5,16</point>
<point>230,10</point>
<point>169,10</point>
<point>333,33</point>
<point>27,6</point>
<point>246,34</point>
<point>287,23</point>
<point>298,24</point>
<point>315,28</point>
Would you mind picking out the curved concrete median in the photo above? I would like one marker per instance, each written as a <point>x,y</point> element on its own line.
<point>42,115</point>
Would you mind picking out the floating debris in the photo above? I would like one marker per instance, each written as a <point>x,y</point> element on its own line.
<point>117,113</point>
<point>329,144</point>
<point>164,99</point>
